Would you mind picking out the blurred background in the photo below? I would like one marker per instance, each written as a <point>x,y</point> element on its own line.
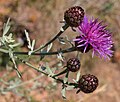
<point>41,18</point>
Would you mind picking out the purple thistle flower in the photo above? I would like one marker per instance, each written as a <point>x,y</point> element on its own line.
<point>94,35</point>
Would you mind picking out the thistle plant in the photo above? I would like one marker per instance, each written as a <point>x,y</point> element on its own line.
<point>93,35</point>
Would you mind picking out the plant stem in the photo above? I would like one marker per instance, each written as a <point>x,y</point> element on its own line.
<point>56,78</point>
<point>55,37</point>
<point>48,53</point>
<point>63,72</point>
<point>30,65</point>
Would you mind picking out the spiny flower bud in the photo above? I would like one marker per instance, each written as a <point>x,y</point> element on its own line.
<point>73,64</point>
<point>74,16</point>
<point>88,83</point>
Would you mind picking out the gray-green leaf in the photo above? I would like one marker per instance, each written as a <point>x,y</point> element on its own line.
<point>49,71</point>
<point>49,47</point>
<point>63,92</point>
<point>78,76</point>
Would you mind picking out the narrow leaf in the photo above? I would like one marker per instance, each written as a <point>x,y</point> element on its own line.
<point>63,92</point>
<point>6,27</point>
<point>74,80</point>
<point>49,71</point>
<point>14,45</point>
<point>49,47</point>
<point>28,39</point>
<point>78,76</point>
<point>59,56</point>
<point>33,44</point>
<point>3,50</point>
<point>15,65</point>
<point>69,87</point>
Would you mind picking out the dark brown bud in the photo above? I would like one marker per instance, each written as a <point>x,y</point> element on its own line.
<point>73,64</point>
<point>74,16</point>
<point>88,83</point>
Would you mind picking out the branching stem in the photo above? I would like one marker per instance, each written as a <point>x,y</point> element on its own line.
<point>48,53</point>
<point>55,37</point>
<point>56,78</point>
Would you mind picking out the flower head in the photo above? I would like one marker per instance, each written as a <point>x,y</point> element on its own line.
<point>94,35</point>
